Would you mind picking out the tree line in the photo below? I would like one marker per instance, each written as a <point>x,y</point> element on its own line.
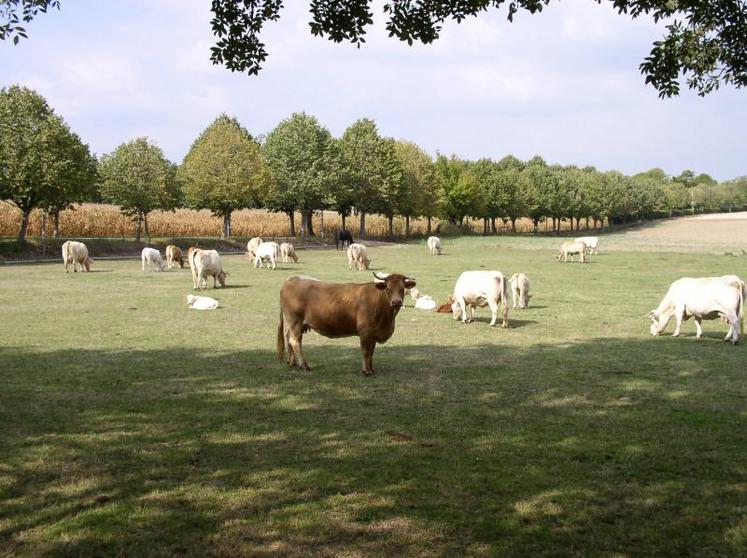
<point>300,168</point>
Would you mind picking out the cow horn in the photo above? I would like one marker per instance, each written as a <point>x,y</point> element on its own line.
<point>380,276</point>
<point>649,314</point>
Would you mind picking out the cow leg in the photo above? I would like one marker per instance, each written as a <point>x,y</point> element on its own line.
<point>679,312</point>
<point>733,333</point>
<point>296,336</point>
<point>367,350</point>
<point>289,349</point>
<point>493,305</point>
<point>698,328</point>
<point>463,305</point>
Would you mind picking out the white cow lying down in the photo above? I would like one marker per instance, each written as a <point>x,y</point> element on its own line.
<point>201,302</point>
<point>705,298</point>
<point>480,288</point>
<point>421,301</point>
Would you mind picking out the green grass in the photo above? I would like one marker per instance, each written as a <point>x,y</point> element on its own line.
<point>131,426</point>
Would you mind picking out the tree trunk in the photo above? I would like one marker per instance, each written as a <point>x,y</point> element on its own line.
<point>492,226</point>
<point>429,231</point>
<point>44,232</point>
<point>594,219</point>
<point>56,223</point>
<point>321,214</point>
<point>390,218</point>
<point>342,218</point>
<point>362,230</point>
<point>407,225</point>
<point>226,232</point>
<point>292,218</point>
<point>587,223</point>
<point>147,232</point>
<point>536,223</point>
<point>306,215</point>
<point>139,224</point>
<point>485,226</point>
<point>24,226</point>
<point>513,225</point>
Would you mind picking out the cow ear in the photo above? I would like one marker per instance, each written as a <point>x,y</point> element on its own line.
<point>409,283</point>
<point>381,285</point>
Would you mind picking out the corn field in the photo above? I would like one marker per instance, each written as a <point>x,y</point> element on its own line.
<point>105,221</point>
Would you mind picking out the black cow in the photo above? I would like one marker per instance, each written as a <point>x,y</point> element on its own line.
<point>341,237</point>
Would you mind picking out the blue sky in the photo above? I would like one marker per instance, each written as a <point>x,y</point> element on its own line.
<point>563,84</point>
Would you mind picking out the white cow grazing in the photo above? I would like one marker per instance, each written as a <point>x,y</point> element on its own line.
<point>251,246</point>
<point>201,302</point>
<point>358,256</point>
<point>590,241</point>
<point>204,264</point>
<point>480,288</point>
<point>434,245</point>
<point>519,284</point>
<point>288,252</point>
<point>570,247</point>
<point>76,253</point>
<point>152,259</point>
<point>269,251</point>
<point>705,298</point>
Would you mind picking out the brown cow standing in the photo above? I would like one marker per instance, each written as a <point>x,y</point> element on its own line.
<point>339,310</point>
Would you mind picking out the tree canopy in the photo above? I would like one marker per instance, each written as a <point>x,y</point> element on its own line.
<point>42,163</point>
<point>705,42</point>
<point>224,171</point>
<point>139,179</point>
<point>304,166</point>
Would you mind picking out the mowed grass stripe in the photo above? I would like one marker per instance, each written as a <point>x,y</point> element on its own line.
<point>132,425</point>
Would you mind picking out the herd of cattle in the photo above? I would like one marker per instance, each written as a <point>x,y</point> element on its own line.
<point>368,310</point>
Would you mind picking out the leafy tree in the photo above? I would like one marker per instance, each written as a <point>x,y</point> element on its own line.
<point>139,179</point>
<point>368,166</point>
<point>705,42</point>
<point>460,189</point>
<point>513,183</point>
<point>394,192</point>
<point>341,193</point>
<point>303,162</point>
<point>224,171</point>
<point>418,183</point>
<point>675,196</point>
<point>42,163</point>
<point>536,175</point>
<point>495,195</point>
<point>686,178</point>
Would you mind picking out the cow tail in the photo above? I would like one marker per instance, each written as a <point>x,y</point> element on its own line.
<point>281,339</point>
<point>740,309</point>
<point>503,284</point>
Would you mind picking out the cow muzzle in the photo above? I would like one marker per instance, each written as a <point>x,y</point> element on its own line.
<point>397,303</point>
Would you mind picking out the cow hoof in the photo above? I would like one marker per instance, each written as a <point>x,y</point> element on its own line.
<point>368,372</point>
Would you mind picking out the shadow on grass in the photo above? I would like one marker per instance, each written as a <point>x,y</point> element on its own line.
<point>605,447</point>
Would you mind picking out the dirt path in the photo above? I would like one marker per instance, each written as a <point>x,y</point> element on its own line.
<point>717,233</point>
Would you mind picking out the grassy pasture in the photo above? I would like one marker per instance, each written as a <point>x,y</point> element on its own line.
<point>132,426</point>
